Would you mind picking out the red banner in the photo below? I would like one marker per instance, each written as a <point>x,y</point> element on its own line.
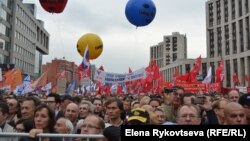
<point>194,88</point>
<point>197,87</point>
<point>214,87</point>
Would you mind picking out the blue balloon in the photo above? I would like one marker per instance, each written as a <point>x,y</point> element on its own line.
<point>140,12</point>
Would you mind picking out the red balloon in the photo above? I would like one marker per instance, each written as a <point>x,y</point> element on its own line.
<point>53,6</point>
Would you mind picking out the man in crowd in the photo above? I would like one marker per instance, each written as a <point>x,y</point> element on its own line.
<point>85,109</point>
<point>218,107</point>
<point>245,102</point>
<point>188,115</point>
<point>233,96</point>
<point>234,114</point>
<point>98,107</point>
<point>138,116</point>
<point>13,111</point>
<point>93,124</point>
<point>114,108</point>
<point>171,102</point>
<point>53,101</point>
<point>5,127</point>
<point>64,126</point>
<point>71,113</point>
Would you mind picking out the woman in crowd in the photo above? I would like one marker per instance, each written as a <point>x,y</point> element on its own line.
<point>44,122</point>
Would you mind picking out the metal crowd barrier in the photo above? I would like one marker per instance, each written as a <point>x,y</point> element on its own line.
<point>63,136</point>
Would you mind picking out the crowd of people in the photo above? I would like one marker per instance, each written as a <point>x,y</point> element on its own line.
<point>104,114</point>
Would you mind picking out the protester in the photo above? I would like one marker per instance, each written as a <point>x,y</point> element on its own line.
<point>85,108</point>
<point>245,102</point>
<point>171,102</point>
<point>53,101</point>
<point>93,124</point>
<point>98,107</point>
<point>44,121</point>
<point>188,115</point>
<point>64,126</point>
<point>112,133</point>
<point>71,113</point>
<point>5,127</point>
<point>114,108</point>
<point>14,111</point>
<point>234,114</point>
<point>233,96</point>
<point>138,116</point>
<point>160,115</point>
<point>65,100</point>
<point>218,107</point>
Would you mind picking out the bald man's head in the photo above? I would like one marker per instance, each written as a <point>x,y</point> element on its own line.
<point>72,112</point>
<point>232,106</point>
<point>234,114</point>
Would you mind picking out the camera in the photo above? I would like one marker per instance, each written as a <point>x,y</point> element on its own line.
<point>198,100</point>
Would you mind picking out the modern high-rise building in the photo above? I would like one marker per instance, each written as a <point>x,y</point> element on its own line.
<point>172,47</point>
<point>23,38</point>
<point>228,37</point>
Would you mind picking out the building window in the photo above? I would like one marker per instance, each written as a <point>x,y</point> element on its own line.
<point>167,40</point>
<point>233,9</point>
<point>174,44</point>
<point>235,64</point>
<point>210,11</point>
<point>234,38</point>
<point>219,41</point>
<point>187,67</point>
<point>211,38</point>
<point>240,8</point>
<point>228,73</point>
<point>246,6</point>
<point>174,56</point>
<point>227,49</point>
<point>218,11</point>
<point>241,36</point>
<point>247,33</point>
<point>204,70</point>
<point>226,10</point>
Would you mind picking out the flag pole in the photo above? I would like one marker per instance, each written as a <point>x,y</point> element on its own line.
<point>90,79</point>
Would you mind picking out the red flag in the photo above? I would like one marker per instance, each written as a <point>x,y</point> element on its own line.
<point>119,89</point>
<point>219,73</point>
<point>101,68</point>
<point>129,70</point>
<point>83,73</point>
<point>107,89</point>
<point>176,74</point>
<point>236,79</point>
<point>195,70</point>
<point>41,81</point>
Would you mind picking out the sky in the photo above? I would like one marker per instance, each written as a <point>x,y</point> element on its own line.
<point>124,45</point>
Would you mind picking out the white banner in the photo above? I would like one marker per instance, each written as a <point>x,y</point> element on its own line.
<point>109,77</point>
